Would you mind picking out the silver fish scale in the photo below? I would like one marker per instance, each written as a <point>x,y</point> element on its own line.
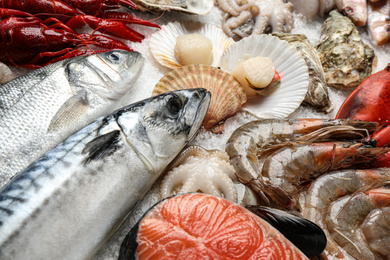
<point>43,94</point>
<point>66,204</point>
<point>40,109</point>
<point>33,178</point>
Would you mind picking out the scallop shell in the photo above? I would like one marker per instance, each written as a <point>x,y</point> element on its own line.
<point>227,95</point>
<point>197,169</point>
<point>288,62</point>
<point>162,42</point>
<point>200,7</point>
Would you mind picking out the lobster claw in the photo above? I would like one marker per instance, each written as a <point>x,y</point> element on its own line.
<point>111,27</point>
<point>369,102</point>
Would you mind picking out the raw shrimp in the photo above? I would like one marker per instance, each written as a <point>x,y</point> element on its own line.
<point>346,220</point>
<point>328,188</point>
<point>291,166</point>
<point>250,140</point>
<point>376,230</point>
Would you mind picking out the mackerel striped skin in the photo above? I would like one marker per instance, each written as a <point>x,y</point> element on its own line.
<point>67,203</point>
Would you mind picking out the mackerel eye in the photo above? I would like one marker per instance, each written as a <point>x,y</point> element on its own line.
<point>174,106</point>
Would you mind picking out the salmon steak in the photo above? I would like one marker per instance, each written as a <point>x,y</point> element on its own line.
<point>201,226</point>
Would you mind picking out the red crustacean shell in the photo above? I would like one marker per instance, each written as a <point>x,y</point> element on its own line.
<point>370,100</point>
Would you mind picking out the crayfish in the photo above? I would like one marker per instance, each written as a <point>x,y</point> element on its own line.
<point>35,33</point>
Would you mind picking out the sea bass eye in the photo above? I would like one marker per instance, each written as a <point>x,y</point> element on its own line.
<point>174,106</point>
<point>114,56</point>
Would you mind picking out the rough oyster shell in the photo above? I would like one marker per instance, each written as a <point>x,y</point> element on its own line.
<point>289,64</point>
<point>162,42</point>
<point>345,58</point>
<point>199,170</point>
<point>200,7</point>
<point>317,94</point>
<point>227,95</point>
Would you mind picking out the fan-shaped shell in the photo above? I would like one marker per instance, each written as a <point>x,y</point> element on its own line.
<point>227,95</point>
<point>288,62</point>
<point>162,42</point>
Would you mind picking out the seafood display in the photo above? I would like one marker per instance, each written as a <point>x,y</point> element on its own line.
<point>43,107</point>
<point>200,7</point>
<point>288,63</point>
<point>374,14</point>
<point>199,170</point>
<point>335,203</point>
<point>204,226</point>
<point>163,42</point>
<point>345,58</point>
<point>260,135</point>
<point>244,18</point>
<point>252,148</point>
<point>317,94</point>
<point>35,33</point>
<point>66,204</point>
<point>227,95</point>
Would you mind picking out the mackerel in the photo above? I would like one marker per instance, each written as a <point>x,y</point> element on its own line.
<point>66,204</point>
<point>43,107</point>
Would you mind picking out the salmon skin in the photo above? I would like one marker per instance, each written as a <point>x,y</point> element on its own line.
<point>201,226</point>
<point>66,204</point>
<point>43,107</point>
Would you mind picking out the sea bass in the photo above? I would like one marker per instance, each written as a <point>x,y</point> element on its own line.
<point>67,203</point>
<point>40,109</point>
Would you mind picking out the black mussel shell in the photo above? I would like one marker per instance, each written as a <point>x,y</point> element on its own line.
<point>303,233</point>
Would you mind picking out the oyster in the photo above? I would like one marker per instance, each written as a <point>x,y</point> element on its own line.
<point>345,58</point>
<point>288,63</point>
<point>201,7</point>
<point>199,170</point>
<point>227,95</point>
<point>162,42</point>
<point>317,94</point>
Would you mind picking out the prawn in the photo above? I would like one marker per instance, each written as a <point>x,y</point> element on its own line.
<point>258,137</point>
<point>291,166</point>
<point>347,216</point>
<point>328,188</point>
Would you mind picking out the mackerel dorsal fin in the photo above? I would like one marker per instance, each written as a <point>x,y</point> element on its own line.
<point>70,111</point>
<point>101,146</point>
